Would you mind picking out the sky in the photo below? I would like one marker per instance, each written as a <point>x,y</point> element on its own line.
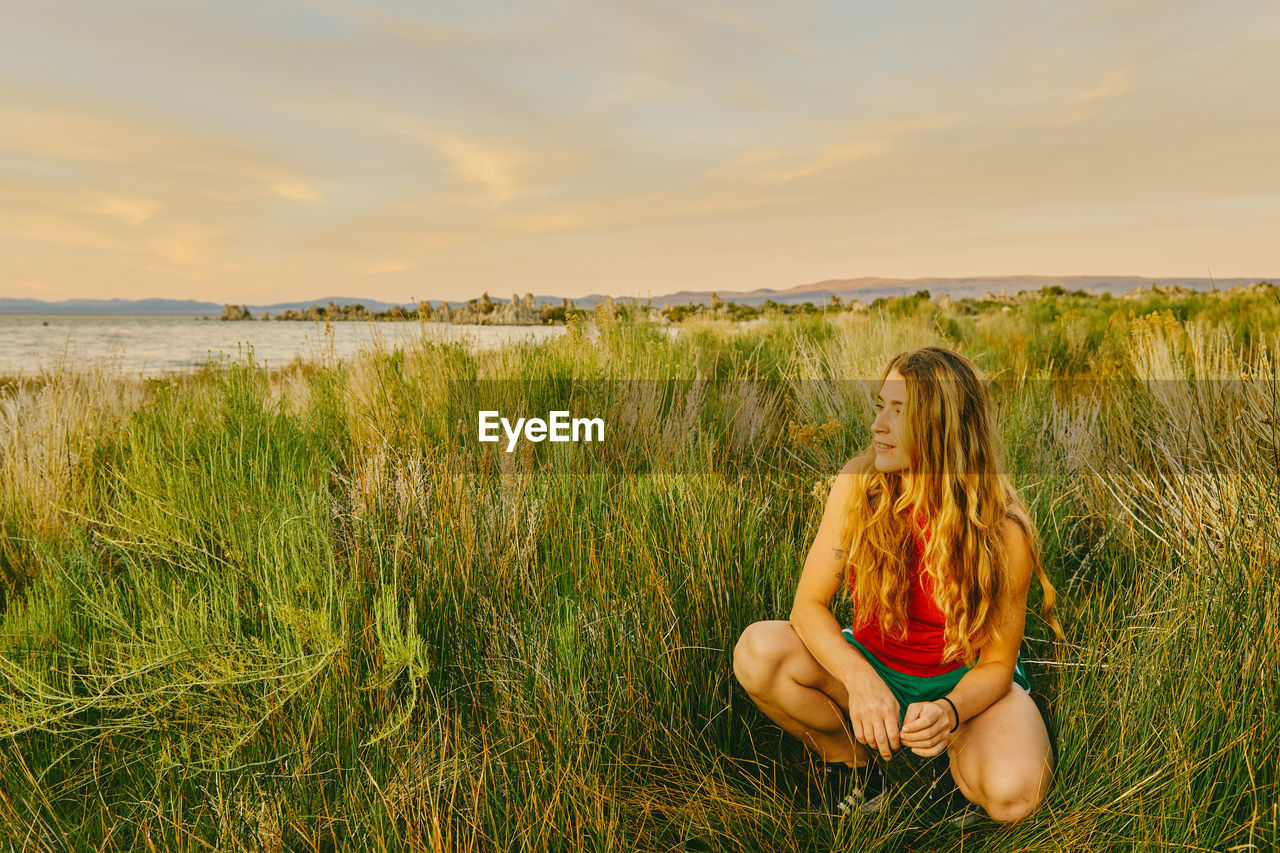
<point>254,151</point>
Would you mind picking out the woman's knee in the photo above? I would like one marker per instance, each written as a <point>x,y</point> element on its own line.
<point>1010,795</point>
<point>758,656</point>
<point>1003,760</point>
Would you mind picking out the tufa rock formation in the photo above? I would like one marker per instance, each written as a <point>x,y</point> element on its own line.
<point>484,311</point>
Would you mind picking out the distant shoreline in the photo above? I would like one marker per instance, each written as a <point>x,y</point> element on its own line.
<point>526,312</point>
<point>865,289</point>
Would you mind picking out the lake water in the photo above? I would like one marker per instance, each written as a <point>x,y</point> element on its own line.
<point>155,345</point>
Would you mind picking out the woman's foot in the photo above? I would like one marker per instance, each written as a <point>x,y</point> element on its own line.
<point>855,789</point>
<point>944,797</point>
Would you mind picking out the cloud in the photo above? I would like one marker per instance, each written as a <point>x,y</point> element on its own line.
<point>89,140</point>
<point>395,27</point>
<point>385,267</point>
<point>130,210</point>
<point>500,171</point>
<point>136,190</point>
<point>295,189</point>
<point>491,172</point>
<point>185,248</point>
<point>1064,109</point>
<point>771,166</point>
<point>1117,82</point>
<point>60,230</point>
<point>24,287</point>
<point>632,88</point>
<point>192,245</point>
<point>26,195</point>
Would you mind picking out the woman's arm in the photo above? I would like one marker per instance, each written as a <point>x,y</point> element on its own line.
<point>873,710</point>
<point>928,726</point>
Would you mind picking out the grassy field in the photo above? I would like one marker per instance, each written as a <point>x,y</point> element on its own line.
<point>306,610</point>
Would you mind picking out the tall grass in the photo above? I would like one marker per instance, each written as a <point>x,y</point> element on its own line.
<point>306,610</point>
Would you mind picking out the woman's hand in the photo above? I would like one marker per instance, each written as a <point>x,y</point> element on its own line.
<point>926,730</point>
<point>873,711</point>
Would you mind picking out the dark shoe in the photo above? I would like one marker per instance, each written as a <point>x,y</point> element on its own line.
<point>855,789</point>
<point>943,797</point>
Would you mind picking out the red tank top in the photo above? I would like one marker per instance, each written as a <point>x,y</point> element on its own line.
<point>920,651</point>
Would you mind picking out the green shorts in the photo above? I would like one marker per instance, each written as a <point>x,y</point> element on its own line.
<point>923,688</point>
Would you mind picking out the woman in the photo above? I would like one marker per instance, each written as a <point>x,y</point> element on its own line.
<point>938,552</point>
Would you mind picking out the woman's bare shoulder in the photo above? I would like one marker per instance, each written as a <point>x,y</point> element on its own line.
<point>855,466</point>
<point>842,483</point>
<point>1016,531</point>
<point>1018,554</point>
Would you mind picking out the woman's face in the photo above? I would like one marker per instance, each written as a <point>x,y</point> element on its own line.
<point>888,430</point>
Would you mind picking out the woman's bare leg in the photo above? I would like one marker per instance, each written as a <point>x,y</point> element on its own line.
<point>775,667</point>
<point>1002,760</point>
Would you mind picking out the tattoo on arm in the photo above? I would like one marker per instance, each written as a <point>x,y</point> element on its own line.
<point>839,554</point>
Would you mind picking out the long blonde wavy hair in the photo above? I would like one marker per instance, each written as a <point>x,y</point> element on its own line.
<point>955,482</point>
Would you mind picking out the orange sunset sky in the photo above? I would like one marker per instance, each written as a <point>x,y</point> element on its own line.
<point>265,151</point>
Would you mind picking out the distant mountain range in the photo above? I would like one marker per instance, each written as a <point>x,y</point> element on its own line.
<point>868,289</point>
<point>819,292</point>
<point>175,307</point>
